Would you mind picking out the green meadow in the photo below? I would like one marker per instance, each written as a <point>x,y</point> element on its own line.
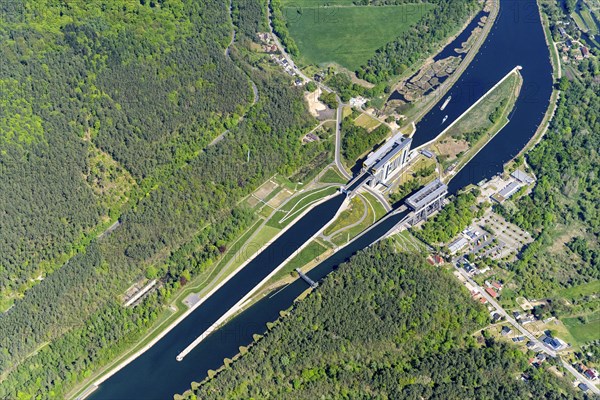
<point>345,34</point>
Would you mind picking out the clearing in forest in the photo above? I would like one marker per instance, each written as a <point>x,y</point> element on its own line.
<point>342,33</point>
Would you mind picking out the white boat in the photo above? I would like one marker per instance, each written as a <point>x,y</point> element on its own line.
<point>446,103</point>
<point>445,118</point>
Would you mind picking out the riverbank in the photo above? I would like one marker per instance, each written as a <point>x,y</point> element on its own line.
<point>504,95</point>
<point>424,105</point>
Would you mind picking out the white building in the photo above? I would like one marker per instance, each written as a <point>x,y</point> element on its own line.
<point>383,162</point>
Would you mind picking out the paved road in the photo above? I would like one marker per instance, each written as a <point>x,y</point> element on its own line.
<point>281,49</point>
<point>580,377</point>
<point>506,315</point>
<point>540,345</point>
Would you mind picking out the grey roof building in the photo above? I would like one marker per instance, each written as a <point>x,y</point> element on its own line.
<point>383,162</point>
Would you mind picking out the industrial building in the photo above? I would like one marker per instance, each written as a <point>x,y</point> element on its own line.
<point>426,201</point>
<point>430,193</point>
<point>383,162</point>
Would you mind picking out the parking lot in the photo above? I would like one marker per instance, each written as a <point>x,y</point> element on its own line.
<point>513,237</point>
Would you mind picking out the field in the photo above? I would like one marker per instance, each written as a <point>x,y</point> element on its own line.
<point>576,292</point>
<point>584,330</point>
<point>589,20</point>
<point>579,22</point>
<point>345,34</point>
<point>367,122</point>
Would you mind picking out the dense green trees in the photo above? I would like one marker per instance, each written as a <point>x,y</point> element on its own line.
<point>186,203</point>
<point>567,194</point>
<point>139,82</point>
<point>418,42</point>
<point>384,325</point>
<point>280,28</point>
<point>357,140</point>
<point>450,221</point>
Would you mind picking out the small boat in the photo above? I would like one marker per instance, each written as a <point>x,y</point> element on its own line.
<point>446,103</point>
<point>445,118</point>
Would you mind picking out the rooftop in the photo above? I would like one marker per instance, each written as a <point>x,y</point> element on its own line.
<point>509,189</point>
<point>425,196</point>
<point>395,149</point>
<point>522,176</point>
<point>376,155</point>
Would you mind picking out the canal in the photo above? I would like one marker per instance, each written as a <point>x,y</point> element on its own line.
<point>516,39</point>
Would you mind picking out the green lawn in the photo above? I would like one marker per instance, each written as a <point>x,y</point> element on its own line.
<point>584,332</point>
<point>350,216</point>
<point>347,35</point>
<point>376,204</point>
<point>332,176</point>
<point>298,205</point>
<point>582,290</point>
<point>306,255</point>
<point>346,235</point>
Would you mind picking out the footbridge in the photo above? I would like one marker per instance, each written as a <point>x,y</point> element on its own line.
<point>306,279</point>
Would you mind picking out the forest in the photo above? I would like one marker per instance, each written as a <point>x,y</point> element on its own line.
<point>451,220</point>
<point>566,198</point>
<point>183,208</point>
<point>427,36</point>
<point>86,78</point>
<point>384,325</point>
<point>357,140</point>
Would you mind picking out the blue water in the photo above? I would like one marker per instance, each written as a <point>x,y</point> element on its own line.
<point>516,39</point>
<point>448,51</point>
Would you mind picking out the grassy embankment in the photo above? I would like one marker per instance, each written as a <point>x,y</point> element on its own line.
<point>478,126</point>
<point>260,233</point>
<point>584,323</point>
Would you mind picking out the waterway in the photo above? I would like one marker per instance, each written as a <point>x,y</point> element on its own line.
<point>448,51</point>
<point>156,374</point>
<point>516,39</point>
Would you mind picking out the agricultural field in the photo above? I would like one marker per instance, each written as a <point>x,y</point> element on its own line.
<point>584,17</point>
<point>345,34</point>
<point>584,329</point>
